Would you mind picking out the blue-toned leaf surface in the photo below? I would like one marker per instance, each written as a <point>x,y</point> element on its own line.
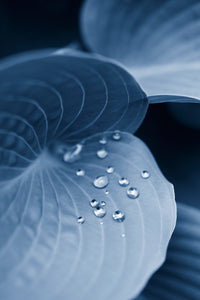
<point>158,41</point>
<point>46,254</point>
<point>74,96</point>
<point>179,277</point>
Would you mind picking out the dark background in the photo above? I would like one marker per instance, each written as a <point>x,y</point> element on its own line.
<point>26,25</point>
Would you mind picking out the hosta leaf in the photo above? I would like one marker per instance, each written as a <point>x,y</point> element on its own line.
<point>72,95</point>
<point>46,254</point>
<point>158,41</point>
<point>179,277</point>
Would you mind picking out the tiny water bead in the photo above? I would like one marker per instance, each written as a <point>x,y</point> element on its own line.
<point>145,174</point>
<point>94,203</point>
<point>133,193</point>
<point>123,181</point>
<point>102,153</point>
<point>110,169</point>
<point>107,192</point>
<point>80,220</point>
<point>103,141</point>
<point>118,216</point>
<point>99,212</point>
<point>116,136</point>
<point>100,182</point>
<point>80,172</point>
<point>103,203</point>
<point>123,235</point>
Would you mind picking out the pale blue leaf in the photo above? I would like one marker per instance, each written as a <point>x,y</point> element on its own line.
<point>45,254</point>
<point>158,41</point>
<point>179,277</point>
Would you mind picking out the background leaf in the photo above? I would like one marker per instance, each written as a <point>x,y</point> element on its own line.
<point>46,254</point>
<point>180,275</point>
<point>158,41</point>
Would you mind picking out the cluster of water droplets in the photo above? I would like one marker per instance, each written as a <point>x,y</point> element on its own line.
<point>102,181</point>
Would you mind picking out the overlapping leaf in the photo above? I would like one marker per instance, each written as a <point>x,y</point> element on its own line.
<point>157,40</point>
<point>46,254</point>
<point>180,275</point>
<point>46,106</point>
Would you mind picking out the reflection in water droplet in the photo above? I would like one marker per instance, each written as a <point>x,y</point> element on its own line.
<point>103,141</point>
<point>118,216</point>
<point>103,203</point>
<point>145,174</point>
<point>99,212</point>
<point>102,153</point>
<point>110,170</point>
<point>80,172</point>
<point>123,181</point>
<point>94,202</point>
<point>80,220</point>
<point>116,136</point>
<point>100,182</point>
<point>133,193</point>
<point>106,192</point>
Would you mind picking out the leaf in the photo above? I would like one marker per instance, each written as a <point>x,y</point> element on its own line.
<point>158,41</point>
<point>46,254</point>
<point>98,94</point>
<point>179,277</point>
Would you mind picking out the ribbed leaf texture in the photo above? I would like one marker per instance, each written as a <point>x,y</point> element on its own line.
<point>158,41</point>
<point>53,243</point>
<point>179,277</point>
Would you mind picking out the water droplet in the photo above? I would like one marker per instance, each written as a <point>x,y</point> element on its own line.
<point>123,235</point>
<point>118,216</point>
<point>145,174</point>
<point>80,172</point>
<point>102,153</point>
<point>123,181</point>
<point>100,182</point>
<point>110,170</point>
<point>133,193</point>
<point>72,153</point>
<point>99,212</point>
<point>106,192</point>
<point>103,203</point>
<point>103,141</point>
<point>116,136</point>
<point>94,203</point>
<point>80,220</point>
<point>101,222</point>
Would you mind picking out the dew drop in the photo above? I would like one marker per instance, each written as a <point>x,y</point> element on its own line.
<point>132,193</point>
<point>71,154</point>
<point>103,141</point>
<point>102,153</point>
<point>99,212</point>
<point>106,192</point>
<point>123,235</point>
<point>103,203</point>
<point>100,182</point>
<point>145,174</point>
<point>116,136</point>
<point>80,172</point>
<point>118,216</point>
<point>101,222</point>
<point>110,169</point>
<point>80,220</point>
<point>123,181</point>
<point>94,203</point>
